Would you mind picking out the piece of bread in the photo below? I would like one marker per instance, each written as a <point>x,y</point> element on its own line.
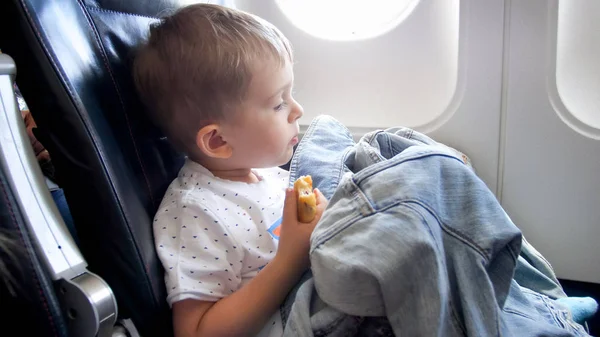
<point>307,200</point>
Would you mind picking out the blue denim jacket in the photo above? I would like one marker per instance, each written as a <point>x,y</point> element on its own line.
<point>412,243</point>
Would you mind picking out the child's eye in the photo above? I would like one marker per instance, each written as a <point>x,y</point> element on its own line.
<point>280,106</point>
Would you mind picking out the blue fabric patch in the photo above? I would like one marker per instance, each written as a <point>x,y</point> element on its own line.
<point>273,227</point>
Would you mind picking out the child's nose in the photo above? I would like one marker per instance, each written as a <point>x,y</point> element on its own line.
<point>297,112</point>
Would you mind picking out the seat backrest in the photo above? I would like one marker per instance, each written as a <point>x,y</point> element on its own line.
<point>74,60</point>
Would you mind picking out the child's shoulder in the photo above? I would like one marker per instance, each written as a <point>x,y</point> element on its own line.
<point>191,185</point>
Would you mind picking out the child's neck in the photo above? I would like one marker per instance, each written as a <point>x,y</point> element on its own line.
<point>242,175</point>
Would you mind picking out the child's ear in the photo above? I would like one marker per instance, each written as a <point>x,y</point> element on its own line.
<point>210,141</point>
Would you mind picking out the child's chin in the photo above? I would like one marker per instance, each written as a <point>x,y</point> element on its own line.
<point>287,158</point>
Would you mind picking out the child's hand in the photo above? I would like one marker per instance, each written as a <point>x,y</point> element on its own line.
<point>294,241</point>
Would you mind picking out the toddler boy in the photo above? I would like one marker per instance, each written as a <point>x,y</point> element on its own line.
<point>219,81</point>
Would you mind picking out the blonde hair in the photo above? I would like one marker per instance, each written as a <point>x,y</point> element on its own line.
<point>197,64</point>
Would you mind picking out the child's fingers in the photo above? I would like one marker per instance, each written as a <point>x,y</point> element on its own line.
<point>321,200</point>
<point>290,207</point>
<point>321,205</point>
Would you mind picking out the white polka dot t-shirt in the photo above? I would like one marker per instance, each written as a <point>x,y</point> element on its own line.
<point>214,235</point>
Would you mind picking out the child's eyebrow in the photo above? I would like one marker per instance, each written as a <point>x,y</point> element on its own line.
<point>287,85</point>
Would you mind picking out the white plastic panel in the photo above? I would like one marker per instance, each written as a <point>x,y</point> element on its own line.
<point>551,181</point>
<point>55,247</point>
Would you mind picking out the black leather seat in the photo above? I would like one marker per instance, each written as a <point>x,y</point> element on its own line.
<point>74,60</point>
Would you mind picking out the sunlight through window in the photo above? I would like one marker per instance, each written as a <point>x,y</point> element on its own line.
<point>346,19</point>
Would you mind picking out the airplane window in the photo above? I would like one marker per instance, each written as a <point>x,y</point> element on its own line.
<point>346,19</point>
<point>577,68</point>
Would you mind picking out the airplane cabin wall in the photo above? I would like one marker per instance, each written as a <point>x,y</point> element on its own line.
<point>513,84</point>
<point>551,185</point>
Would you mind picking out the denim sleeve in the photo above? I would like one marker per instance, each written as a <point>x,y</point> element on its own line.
<point>321,154</point>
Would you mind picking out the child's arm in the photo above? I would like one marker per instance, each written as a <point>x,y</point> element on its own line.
<point>245,312</point>
<point>242,313</point>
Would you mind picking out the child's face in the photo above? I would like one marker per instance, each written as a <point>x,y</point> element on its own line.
<point>265,128</point>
